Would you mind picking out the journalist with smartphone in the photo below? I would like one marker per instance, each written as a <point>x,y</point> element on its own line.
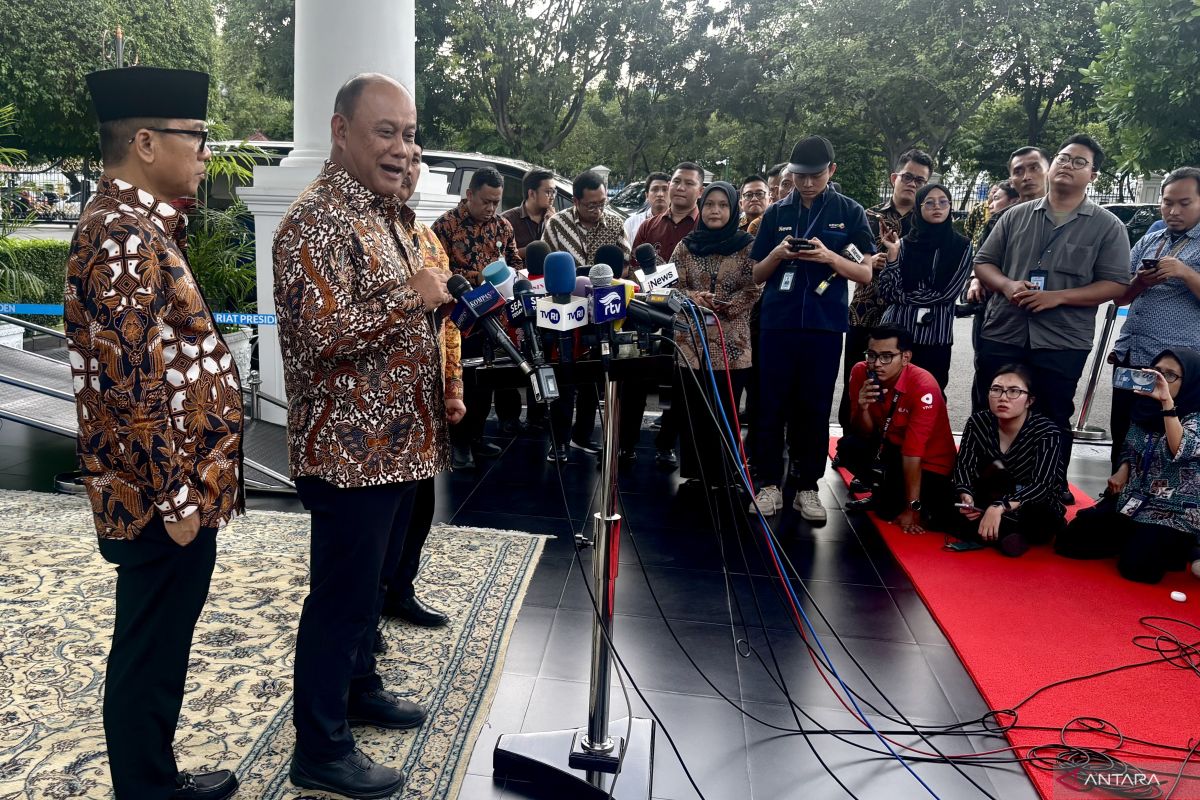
<point>1150,519</point>
<point>1006,475</point>
<point>798,247</point>
<point>1049,264</point>
<point>1164,294</point>
<point>899,441</point>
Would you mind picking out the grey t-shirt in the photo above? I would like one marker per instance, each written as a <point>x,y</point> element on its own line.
<point>1090,245</point>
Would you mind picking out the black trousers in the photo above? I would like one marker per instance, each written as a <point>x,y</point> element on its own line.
<point>701,436</point>
<point>856,345</point>
<point>1034,522</point>
<point>580,401</point>
<point>752,377</point>
<point>890,498</point>
<point>1119,419</point>
<point>1144,551</point>
<point>979,392</point>
<point>161,588</point>
<point>399,586</point>
<point>1055,377</point>
<point>934,358</point>
<point>478,399</point>
<point>633,408</point>
<point>357,538</point>
<point>799,370</point>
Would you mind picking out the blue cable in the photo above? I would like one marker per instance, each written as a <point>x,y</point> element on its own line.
<point>787,581</point>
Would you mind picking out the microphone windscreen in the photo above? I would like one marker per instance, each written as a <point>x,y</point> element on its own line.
<point>522,286</point>
<point>646,256</point>
<point>535,257</point>
<point>601,274</point>
<point>496,272</point>
<point>457,285</point>
<point>611,255</point>
<point>560,273</point>
<point>583,287</point>
<point>582,271</point>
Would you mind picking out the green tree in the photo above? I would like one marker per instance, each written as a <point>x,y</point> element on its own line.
<point>1148,75</point>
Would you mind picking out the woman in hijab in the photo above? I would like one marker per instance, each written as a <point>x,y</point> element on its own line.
<point>1151,519</point>
<point>925,272</point>
<point>715,271</point>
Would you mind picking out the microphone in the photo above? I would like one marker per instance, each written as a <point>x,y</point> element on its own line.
<point>613,256</point>
<point>473,304</point>
<point>482,314</point>
<point>583,284</point>
<point>522,311</point>
<point>501,276</point>
<point>608,306</point>
<point>560,311</point>
<point>850,252</point>
<point>535,260</point>
<point>649,275</point>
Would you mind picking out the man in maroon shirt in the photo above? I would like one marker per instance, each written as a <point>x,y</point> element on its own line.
<point>899,438</point>
<point>664,232</point>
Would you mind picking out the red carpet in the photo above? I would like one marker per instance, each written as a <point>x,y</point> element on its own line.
<point>1019,624</point>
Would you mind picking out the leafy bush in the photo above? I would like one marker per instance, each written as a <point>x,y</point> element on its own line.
<point>33,271</point>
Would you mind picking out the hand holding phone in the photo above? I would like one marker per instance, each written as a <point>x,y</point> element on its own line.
<point>1136,380</point>
<point>797,245</point>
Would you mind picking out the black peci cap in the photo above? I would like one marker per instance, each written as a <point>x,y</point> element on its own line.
<point>811,154</point>
<point>149,92</point>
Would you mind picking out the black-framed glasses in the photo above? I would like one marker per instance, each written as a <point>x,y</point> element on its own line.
<point>1076,162</point>
<point>201,135</point>
<point>593,207</point>
<point>1011,392</point>
<point>754,195</point>
<point>913,180</point>
<point>1170,375</point>
<point>883,358</point>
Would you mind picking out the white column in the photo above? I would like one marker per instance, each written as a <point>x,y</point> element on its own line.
<point>334,42</point>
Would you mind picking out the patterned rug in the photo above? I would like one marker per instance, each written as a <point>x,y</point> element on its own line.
<point>56,609</point>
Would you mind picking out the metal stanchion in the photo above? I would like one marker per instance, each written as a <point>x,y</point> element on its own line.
<point>1099,359</point>
<point>583,763</point>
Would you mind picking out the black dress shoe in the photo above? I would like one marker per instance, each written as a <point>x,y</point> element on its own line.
<point>1067,497</point>
<point>486,450</point>
<point>411,609</point>
<point>462,458</point>
<point>554,454</point>
<point>355,775</point>
<point>588,446</point>
<point>205,785</point>
<point>862,504</point>
<point>627,456</point>
<point>858,487</point>
<point>383,709</point>
<point>1014,545</point>
<point>666,458</point>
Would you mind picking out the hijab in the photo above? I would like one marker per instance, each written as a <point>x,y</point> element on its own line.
<point>703,240</point>
<point>926,243</point>
<point>1147,412</point>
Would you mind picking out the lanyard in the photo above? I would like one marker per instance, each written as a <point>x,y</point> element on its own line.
<point>1046,248</point>
<point>887,424</point>
<point>1147,459</point>
<point>1175,248</point>
<point>814,216</point>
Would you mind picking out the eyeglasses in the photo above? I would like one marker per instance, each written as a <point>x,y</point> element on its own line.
<point>1076,162</point>
<point>1171,377</point>
<point>931,204</point>
<point>913,180</point>
<point>883,358</point>
<point>202,136</point>
<point>754,195</point>
<point>594,206</point>
<point>1011,392</point>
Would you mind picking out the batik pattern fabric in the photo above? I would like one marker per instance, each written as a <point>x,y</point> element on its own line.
<point>361,356</point>
<point>435,257</point>
<point>731,280</point>
<point>866,307</point>
<point>564,232</point>
<point>157,393</point>
<point>471,245</point>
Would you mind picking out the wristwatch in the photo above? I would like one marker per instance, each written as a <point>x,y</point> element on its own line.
<point>915,505</point>
<point>1170,412</point>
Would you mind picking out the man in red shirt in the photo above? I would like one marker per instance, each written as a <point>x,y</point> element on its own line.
<point>899,439</point>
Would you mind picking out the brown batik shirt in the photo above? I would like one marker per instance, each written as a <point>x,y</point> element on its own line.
<point>157,392</point>
<point>434,257</point>
<point>472,245</point>
<point>866,309</point>
<point>361,356</point>
<point>731,280</point>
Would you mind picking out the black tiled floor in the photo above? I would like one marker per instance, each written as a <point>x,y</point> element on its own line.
<point>849,572</point>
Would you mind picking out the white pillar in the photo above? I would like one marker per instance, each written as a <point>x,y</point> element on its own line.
<point>334,42</point>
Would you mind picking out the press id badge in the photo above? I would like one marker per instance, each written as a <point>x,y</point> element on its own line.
<point>1132,504</point>
<point>789,278</point>
<point>1038,278</point>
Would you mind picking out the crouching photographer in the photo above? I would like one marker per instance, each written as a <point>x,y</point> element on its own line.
<point>899,442</point>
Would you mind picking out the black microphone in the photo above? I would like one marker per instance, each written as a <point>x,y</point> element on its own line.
<point>525,299</point>
<point>458,286</point>
<point>535,258</point>
<point>646,257</point>
<point>613,256</point>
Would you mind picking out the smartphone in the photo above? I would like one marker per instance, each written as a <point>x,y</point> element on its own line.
<point>796,245</point>
<point>1148,264</point>
<point>1137,380</point>
<point>968,505</point>
<point>963,546</point>
<point>873,377</point>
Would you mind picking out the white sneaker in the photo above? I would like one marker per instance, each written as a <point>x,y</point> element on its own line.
<point>808,503</point>
<point>769,501</point>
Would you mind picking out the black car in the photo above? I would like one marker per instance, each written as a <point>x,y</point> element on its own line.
<point>1138,217</point>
